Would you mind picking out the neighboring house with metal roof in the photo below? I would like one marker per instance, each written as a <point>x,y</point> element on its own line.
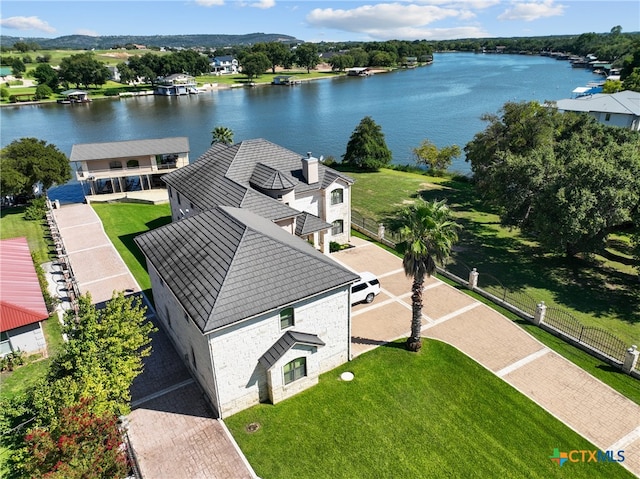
<point>615,109</point>
<point>22,307</point>
<point>121,166</point>
<point>257,312</point>
<point>299,194</point>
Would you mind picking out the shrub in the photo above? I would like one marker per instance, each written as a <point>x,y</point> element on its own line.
<point>36,210</point>
<point>43,92</point>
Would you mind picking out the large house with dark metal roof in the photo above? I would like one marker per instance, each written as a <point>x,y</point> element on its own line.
<point>134,165</point>
<point>22,306</point>
<point>296,192</point>
<point>257,312</point>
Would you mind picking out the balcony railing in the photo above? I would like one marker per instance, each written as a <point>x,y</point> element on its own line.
<point>97,174</point>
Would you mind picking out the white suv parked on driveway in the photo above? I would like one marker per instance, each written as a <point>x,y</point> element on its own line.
<point>367,288</point>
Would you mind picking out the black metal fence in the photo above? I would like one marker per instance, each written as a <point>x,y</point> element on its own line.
<point>598,342</point>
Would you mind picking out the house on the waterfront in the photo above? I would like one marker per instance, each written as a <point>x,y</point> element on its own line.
<point>297,192</point>
<point>616,109</point>
<point>257,312</point>
<point>224,65</point>
<point>176,84</point>
<point>121,166</point>
<point>242,279</point>
<point>359,72</point>
<point>22,306</point>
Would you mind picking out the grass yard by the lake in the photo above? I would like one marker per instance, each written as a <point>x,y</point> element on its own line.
<point>14,225</point>
<point>434,414</point>
<point>123,222</point>
<point>601,291</point>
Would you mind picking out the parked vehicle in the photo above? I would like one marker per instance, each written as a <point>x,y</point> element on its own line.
<point>366,289</point>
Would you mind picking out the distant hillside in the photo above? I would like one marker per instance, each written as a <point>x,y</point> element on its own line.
<point>85,42</point>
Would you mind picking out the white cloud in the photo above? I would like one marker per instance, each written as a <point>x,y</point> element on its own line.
<point>383,16</point>
<point>264,4</point>
<point>409,33</point>
<point>532,11</point>
<point>27,23</point>
<point>210,3</point>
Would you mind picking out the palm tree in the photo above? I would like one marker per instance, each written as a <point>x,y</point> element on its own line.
<point>222,134</point>
<point>427,233</point>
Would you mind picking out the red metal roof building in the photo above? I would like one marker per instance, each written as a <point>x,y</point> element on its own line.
<point>22,306</point>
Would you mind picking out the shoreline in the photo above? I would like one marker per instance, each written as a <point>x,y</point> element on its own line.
<point>204,88</point>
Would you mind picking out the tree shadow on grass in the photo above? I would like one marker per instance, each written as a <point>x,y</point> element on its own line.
<point>517,262</point>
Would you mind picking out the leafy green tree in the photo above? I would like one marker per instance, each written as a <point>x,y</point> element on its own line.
<point>4,93</point>
<point>83,69</point>
<point>612,86</point>
<point>307,56</point>
<point>255,64</point>
<point>46,75</point>
<point>562,177</point>
<point>126,73</point>
<point>21,46</point>
<point>367,148</point>
<point>632,82</point>
<point>29,161</point>
<point>429,155</point>
<point>277,52</point>
<point>17,68</point>
<point>428,233</point>
<point>104,350</point>
<point>43,92</point>
<point>381,59</point>
<point>81,445</point>
<point>222,134</point>
<point>341,62</point>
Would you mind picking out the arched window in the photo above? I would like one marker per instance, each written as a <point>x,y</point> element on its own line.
<point>337,227</point>
<point>295,370</point>
<point>133,164</point>
<point>337,196</point>
<point>286,318</point>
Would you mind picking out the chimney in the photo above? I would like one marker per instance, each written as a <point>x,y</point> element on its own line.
<point>310,169</point>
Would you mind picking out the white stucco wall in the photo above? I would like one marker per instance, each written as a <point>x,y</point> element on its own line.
<point>340,211</point>
<point>242,381</point>
<point>617,119</point>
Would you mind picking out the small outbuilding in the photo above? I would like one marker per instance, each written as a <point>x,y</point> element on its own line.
<point>22,306</point>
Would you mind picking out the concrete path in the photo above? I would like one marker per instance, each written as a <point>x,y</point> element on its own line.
<point>588,406</point>
<point>171,427</point>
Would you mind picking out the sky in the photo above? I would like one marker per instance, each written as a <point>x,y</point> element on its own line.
<point>316,21</point>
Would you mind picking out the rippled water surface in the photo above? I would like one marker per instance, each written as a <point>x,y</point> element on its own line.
<point>442,102</point>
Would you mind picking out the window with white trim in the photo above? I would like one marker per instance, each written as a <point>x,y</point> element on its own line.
<point>295,370</point>
<point>337,196</point>
<point>337,227</point>
<point>286,318</point>
<point>5,344</point>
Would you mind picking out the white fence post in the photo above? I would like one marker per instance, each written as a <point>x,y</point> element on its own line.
<point>473,279</point>
<point>631,359</point>
<point>541,310</point>
<point>381,231</point>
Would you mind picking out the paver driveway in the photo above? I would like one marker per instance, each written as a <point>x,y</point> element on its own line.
<point>591,408</point>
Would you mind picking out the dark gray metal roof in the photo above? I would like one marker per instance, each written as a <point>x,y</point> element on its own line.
<point>268,178</point>
<point>123,149</point>
<point>228,264</point>
<point>307,223</point>
<point>223,173</point>
<point>285,343</point>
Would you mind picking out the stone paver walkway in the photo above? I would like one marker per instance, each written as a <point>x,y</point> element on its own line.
<point>599,413</point>
<point>171,427</point>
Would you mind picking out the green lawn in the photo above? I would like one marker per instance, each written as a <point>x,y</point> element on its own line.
<point>433,414</point>
<point>13,225</point>
<point>123,222</point>
<point>601,291</point>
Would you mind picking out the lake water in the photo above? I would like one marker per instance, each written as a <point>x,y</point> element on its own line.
<point>442,102</point>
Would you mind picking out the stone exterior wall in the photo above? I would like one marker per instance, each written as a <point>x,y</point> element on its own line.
<point>187,338</point>
<point>241,380</point>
